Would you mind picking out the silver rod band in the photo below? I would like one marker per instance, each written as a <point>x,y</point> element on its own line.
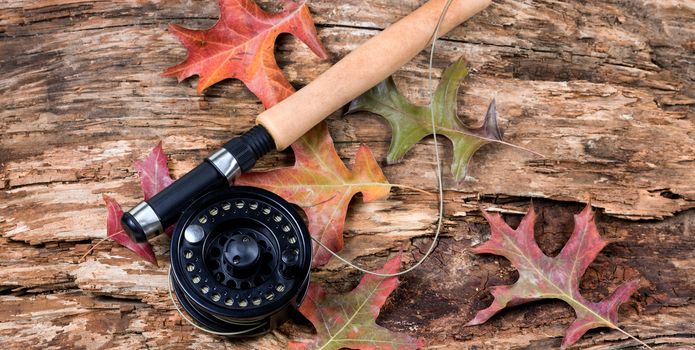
<point>148,219</point>
<point>226,164</point>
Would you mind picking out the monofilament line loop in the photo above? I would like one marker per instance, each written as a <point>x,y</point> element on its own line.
<point>440,189</point>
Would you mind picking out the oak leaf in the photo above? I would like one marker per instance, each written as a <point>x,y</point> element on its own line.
<point>348,321</point>
<point>411,123</point>
<point>543,277</point>
<point>241,44</point>
<point>153,172</point>
<point>154,177</point>
<point>320,183</point>
<point>116,232</point>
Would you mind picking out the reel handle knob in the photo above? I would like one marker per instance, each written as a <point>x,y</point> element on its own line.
<point>149,218</point>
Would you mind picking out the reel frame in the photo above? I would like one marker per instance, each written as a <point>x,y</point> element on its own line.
<point>240,260</point>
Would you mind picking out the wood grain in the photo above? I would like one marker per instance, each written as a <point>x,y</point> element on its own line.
<point>604,90</point>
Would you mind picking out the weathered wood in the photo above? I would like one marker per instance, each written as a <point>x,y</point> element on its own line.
<point>603,89</point>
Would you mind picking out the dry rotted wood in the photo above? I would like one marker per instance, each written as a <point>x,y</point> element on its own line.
<point>603,89</point>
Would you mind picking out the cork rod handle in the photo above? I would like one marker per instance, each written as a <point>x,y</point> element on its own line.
<point>362,69</point>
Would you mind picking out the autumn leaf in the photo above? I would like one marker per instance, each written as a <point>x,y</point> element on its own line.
<point>348,321</point>
<point>320,183</point>
<point>154,177</point>
<point>543,277</point>
<point>116,232</point>
<point>241,44</point>
<point>411,123</point>
<point>153,172</point>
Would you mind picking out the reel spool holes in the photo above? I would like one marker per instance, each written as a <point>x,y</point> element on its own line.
<point>240,260</point>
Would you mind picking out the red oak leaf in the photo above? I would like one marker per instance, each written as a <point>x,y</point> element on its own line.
<point>154,177</point>
<point>543,277</point>
<point>241,44</point>
<point>153,172</point>
<point>348,321</point>
<point>115,232</point>
<point>320,183</point>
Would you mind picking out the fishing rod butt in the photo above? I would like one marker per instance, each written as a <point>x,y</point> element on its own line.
<point>150,218</point>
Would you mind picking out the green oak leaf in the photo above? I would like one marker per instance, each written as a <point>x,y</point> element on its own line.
<point>411,123</point>
<point>349,320</point>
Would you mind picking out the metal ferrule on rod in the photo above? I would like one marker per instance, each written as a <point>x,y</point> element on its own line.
<point>226,164</point>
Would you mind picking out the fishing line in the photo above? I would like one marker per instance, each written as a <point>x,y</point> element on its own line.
<point>440,191</point>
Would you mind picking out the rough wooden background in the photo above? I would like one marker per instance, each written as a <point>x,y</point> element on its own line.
<point>604,89</point>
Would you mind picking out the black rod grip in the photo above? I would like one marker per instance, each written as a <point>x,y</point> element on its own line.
<point>153,216</point>
<point>170,203</point>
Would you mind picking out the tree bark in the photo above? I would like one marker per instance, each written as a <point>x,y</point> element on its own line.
<point>603,89</point>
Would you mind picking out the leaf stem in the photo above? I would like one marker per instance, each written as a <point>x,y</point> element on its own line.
<point>632,337</point>
<point>519,147</point>
<point>413,188</point>
<point>92,248</point>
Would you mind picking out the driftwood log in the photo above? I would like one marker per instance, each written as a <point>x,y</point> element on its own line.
<point>603,89</point>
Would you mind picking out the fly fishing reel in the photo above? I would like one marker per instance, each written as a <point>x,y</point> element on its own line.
<point>240,260</point>
<point>240,256</point>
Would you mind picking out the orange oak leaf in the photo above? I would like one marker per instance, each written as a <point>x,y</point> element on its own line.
<point>320,183</point>
<point>240,45</point>
<point>348,321</point>
<point>543,277</point>
<point>154,177</point>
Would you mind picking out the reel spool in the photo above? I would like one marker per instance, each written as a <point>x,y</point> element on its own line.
<point>240,260</point>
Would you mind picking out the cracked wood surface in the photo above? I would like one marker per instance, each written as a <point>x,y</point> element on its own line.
<point>603,89</point>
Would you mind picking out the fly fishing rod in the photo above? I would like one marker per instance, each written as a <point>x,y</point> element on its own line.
<point>241,256</point>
